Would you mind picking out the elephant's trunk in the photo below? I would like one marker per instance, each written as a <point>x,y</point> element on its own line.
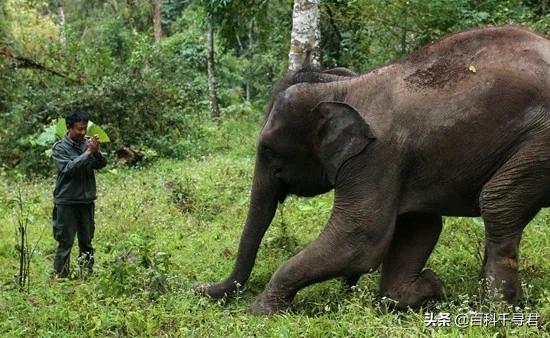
<point>263,204</point>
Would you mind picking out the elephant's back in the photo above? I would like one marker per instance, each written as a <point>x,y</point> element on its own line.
<point>458,61</point>
<point>507,40</point>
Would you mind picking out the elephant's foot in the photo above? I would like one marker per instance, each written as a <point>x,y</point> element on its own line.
<point>426,287</point>
<point>268,304</point>
<point>495,292</point>
<point>498,287</point>
<point>217,290</point>
<point>500,271</point>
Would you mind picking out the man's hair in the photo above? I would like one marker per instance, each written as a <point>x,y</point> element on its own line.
<point>79,116</point>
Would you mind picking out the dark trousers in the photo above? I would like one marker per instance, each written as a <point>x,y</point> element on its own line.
<point>68,221</point>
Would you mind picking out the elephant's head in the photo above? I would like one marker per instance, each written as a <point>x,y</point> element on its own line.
<point>303,144</point>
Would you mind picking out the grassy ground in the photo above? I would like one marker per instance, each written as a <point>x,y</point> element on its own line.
<point>162,227</point>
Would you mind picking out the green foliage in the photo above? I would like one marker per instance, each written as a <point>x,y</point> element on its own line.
<point>58,128</point>
<point>138,269</point>
<point>95,130</point>
<point>155,96</point>
<point>364,34</point>
<point>49,135</point>
<point>146,96</point>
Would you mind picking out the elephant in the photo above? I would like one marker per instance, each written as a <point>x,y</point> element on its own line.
<point>460,127</point>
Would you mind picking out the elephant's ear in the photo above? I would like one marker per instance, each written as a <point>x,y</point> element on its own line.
<point>342,133</point>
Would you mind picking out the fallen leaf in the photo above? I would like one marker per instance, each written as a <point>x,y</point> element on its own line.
<point>227,253</point>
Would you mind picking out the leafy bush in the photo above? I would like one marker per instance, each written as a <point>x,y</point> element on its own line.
<point>138,269</point>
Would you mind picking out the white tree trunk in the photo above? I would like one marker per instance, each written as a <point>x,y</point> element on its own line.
<point>304,40</point>
<point>61,14</point>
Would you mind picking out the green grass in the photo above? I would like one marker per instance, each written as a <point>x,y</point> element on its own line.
<point>162,227</point>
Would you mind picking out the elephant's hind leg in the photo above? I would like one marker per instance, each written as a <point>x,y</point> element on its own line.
<point>508,202</point>
<point>402,277</point>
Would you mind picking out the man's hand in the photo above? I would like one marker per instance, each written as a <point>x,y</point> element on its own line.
<point>98,143</point>
<point>93,145</point>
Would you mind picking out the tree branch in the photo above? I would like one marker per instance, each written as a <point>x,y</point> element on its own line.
<point>23,62</point>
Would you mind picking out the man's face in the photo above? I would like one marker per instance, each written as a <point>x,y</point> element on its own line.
<point>78,131</point>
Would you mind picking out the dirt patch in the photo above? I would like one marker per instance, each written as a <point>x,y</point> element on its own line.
<point>438,75</point>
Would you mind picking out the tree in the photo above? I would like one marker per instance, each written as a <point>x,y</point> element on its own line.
<point>214,14</point>
<point>61,16</point>
<point>304,40</point>
<point>157,19</point>
<point>212,73</point>
<point>254,46</point>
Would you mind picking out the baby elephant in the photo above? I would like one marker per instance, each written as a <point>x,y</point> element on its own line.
<point>459,128</point>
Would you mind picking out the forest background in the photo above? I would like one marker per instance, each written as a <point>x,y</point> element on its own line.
<point>102,55</point>
<point>140,68</point>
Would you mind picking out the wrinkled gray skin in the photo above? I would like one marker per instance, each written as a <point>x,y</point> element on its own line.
<point>402,146</point>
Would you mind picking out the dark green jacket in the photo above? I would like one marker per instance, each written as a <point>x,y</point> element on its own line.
<point>75,178</point>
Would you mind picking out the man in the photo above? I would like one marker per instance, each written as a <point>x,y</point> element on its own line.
<point>76,157</point>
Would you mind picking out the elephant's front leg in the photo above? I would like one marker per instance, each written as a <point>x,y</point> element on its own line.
<point>353,242</point>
